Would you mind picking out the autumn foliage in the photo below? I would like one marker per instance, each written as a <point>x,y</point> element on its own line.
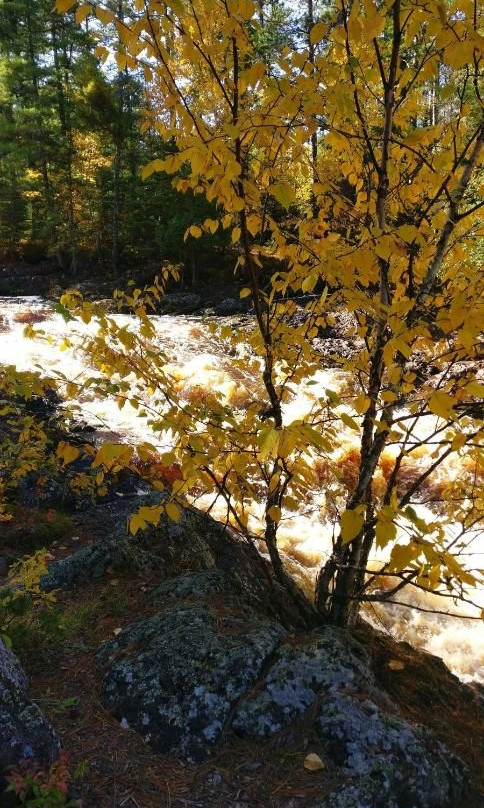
<point>352,159</point>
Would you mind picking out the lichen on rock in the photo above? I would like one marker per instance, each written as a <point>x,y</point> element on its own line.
<point>391,763</point>
<point>328,660</point>
<point>24,731</point>
<point>176,675</point>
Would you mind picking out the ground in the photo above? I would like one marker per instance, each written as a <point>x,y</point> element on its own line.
<point>116,769</point>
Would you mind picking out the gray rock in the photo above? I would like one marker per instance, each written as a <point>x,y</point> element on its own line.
<point>180,303</point>
<point>87,564</point>
<point>196,585</point>
<point>171,546</point>
<point>229,306</point>
<point>392,763</point>
<point>176,676</point>
<point>24,731</point>
<point>329,660</point>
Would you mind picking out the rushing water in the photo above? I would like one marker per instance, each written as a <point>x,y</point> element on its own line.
<point>199,362</point>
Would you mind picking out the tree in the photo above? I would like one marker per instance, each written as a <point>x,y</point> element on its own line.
<point>383,227</point>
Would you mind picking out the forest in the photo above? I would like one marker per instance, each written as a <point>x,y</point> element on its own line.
<point>241,399</point>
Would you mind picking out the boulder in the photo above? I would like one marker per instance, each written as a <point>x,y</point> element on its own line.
<point>24,731</point>
<point>196,585</point>
<point>329,660</point>
<point>229,306</point>
<point>187,676</point>
<point>180,303</point>
<point>391,763</point>
<point>195,543</point>
<point>171,546</point>
<point>176,676</point>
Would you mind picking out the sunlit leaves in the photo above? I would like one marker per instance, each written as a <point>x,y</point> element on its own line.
<point>64,5</point>
<point>317,33</point>
<point>82,13</point>
<point>67,453</point>
<point>362,210</point>
<point>284,193</point>
<point>442,404</point>
<point>352,521</point>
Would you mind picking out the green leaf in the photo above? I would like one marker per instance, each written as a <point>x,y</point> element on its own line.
<point>65,313</point>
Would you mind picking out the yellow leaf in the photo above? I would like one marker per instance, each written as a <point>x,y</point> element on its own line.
<point>317,33</point>
<point>441,404</point>
<point>309,283</point>
<point>403,347</point>
<point>67,453</point>
<point>121,61</point>
<point>64,5</point>
<point>349,421</point>
<point>284,193</point>
<point>458,54</point>
<point>172,511</point>
<point>235,235</point>
<point>402,555</point>
<point>475,388</point>
<point>245,292</point>
<point>396,665</point>
<point>104,15</point>
<point>361,404</point>
<point>268,441</point>
<point>385,532</point>
<point>147,170</point>
<point>351,523</point>
<point>383,248</point>
<point>274,513</point>
<point>82,13</point>
<point>313,763</point>
<point>407,232</point>
<point>459,441</point>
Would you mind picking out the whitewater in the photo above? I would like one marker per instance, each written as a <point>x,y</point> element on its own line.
<point>201,363</point>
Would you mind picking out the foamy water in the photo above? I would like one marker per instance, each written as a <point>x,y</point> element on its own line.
<point>200,364</point>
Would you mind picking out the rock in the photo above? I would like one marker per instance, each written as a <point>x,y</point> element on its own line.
<point>196,585</point>
<point>176,676</point>
<point>385,756</point>
<point>180,303</point>
<point>392,763</point>
<point>24,731</point>
<point>229,306</point>
<point>87,564</point>
<point>194,544</point>
<point>169,547</point>
<point>49,494</point>
<point>329,660</point>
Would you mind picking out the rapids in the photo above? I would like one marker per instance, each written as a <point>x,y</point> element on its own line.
<point>200,363</point>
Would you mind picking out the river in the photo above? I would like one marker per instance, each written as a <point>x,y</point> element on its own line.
<point>200,362</point>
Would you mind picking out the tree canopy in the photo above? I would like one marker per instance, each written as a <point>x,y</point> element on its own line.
<point>348,153</point>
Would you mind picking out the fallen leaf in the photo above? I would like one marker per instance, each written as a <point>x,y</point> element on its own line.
<point>396,665</point>
<point>313,763</point>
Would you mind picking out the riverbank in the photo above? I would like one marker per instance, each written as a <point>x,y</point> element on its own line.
<point>197,570</point>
